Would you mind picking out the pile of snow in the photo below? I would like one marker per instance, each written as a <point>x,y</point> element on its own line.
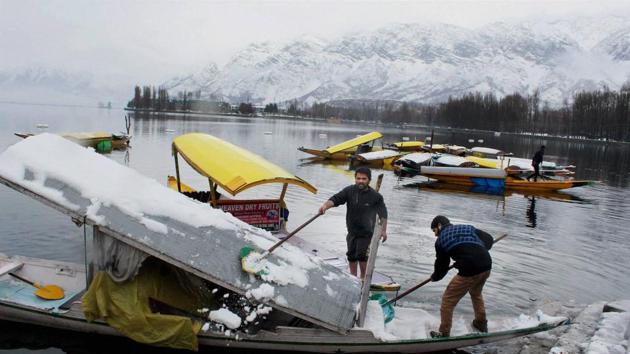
<point>410,323</point>
<point>226,317</point>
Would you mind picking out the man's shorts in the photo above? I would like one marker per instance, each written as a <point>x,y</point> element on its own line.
<point>357,248</point>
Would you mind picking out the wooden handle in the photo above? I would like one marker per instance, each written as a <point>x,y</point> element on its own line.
<point>292,233</point>
<point>24,280</point>
<point>409,291</point>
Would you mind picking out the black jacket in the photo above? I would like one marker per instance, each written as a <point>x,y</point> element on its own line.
<point>538,158</point>
<point>362,207</point>
<point>470,259</point>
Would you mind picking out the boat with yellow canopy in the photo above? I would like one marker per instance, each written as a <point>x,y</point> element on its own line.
<point>246,170</point>
<point>243,171</point>
<point>345,150</point>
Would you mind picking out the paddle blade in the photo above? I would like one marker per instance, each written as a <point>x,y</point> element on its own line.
<point>388,309</point>
<point>50,292</point>
<point>251,261</point>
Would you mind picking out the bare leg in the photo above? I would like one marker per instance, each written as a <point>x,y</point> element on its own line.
<point>363,266</point>
<point>353,268</point>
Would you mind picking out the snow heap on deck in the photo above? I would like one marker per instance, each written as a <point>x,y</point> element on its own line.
<point>188,234</point>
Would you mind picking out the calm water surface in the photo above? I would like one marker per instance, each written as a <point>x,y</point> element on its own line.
<point>568,247</point>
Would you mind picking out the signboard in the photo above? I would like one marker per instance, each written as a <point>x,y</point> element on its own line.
<point>264,213</point>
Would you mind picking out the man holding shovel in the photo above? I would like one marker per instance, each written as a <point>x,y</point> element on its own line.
<point>363,203</point>
<point>468,247</point>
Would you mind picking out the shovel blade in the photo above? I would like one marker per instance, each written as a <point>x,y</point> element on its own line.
<point>50,292</point>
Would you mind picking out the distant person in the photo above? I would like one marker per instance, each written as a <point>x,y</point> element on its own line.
<point>536,161</point>
<point>363,204</point>
<point>468,247</point>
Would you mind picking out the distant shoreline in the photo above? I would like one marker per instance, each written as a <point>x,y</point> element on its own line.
<point>374,123</point>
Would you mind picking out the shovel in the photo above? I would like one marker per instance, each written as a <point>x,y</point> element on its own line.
<point>46,292</point>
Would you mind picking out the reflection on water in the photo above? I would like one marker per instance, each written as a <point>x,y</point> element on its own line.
<point>531,212</point>
<point>562,246</point>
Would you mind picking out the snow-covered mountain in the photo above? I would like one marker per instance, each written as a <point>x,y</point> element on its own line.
<point>58,86</point>
<point>427,63</point>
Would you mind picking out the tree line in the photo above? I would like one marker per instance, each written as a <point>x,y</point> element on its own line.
<point>601,114</point>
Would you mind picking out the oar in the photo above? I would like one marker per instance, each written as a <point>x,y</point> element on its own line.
<point>250,258</point>
<point>46,292</point>
<point>409,291</point>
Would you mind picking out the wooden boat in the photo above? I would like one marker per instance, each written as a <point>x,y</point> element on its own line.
<point>346,149</point>
<point>410,163</point>
<point>452,161</point>
<point>520,166</point>
<point>377,158</point>
<point>407,145</point>
<point>247,170</point>
<point>495,178</point>
<point>137,215</point>
<point>100,141</point>
<point>480,151</point>
<point>456,150</point>
<point>428,147</point>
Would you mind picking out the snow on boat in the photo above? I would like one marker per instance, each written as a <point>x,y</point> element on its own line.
<point>456,150</point>
<point>486,152</point>
<point>345,150</point>
<point>174,254</point>
<point>381,158</point>
<point>452,161</point>
<point>411,163</point>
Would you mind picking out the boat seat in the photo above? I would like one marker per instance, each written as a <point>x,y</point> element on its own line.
<point>10,267</point>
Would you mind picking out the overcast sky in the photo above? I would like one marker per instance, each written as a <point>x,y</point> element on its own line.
<point>155,39</point>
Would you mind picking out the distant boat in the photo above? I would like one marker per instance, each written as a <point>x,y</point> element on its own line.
<point>268,133</point>
<point>42,125</point>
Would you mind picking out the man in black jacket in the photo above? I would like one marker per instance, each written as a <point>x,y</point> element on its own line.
<point>363,204</point>
<point>536,161</point>
<point>468,247</point>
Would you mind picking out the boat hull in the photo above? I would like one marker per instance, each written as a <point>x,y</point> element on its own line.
<point>282,339</point>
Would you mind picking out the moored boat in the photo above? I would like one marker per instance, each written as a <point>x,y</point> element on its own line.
<point>302,304</point>
<point>348,148</point>
<point>100,141</point>
<point>495,178</point>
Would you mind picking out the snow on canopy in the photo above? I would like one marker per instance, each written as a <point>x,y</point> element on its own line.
<point>189,232</point>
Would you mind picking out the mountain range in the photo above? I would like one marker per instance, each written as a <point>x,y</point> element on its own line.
<point>426,62</point>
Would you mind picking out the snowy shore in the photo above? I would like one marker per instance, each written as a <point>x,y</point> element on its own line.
<point>598,328</point>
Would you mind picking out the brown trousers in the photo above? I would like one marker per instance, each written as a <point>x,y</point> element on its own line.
<point>456,289</point>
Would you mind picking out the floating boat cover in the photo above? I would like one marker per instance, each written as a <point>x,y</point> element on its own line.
<point>190,235</point>
<point>349,144</point>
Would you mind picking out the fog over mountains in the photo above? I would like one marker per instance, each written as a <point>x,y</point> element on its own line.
<point>422,62</point>
<point>426,63</point>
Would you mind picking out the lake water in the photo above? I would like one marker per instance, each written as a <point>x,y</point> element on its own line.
<point>568,247</point>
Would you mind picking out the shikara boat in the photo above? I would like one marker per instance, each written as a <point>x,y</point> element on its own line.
<point>410,164</point>
<point>100,141</point>
<point>495,178</point>
<point>407,145</point>
<point>348,148</point>
<point>244,171</point>
<point>452,161</point>
<point>521,167</point>
<point>171,264</point>
<point>480,151</point>
<point>158,256</point>
<point>381,158</point>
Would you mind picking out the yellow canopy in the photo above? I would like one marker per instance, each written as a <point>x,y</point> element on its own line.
<point>348,144</point>
<point>408,144</point>
<point>87,135</point>
<point>233,168</point>
<point>483,162</point>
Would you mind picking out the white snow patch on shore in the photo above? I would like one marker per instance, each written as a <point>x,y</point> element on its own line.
<point>612,334</point>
